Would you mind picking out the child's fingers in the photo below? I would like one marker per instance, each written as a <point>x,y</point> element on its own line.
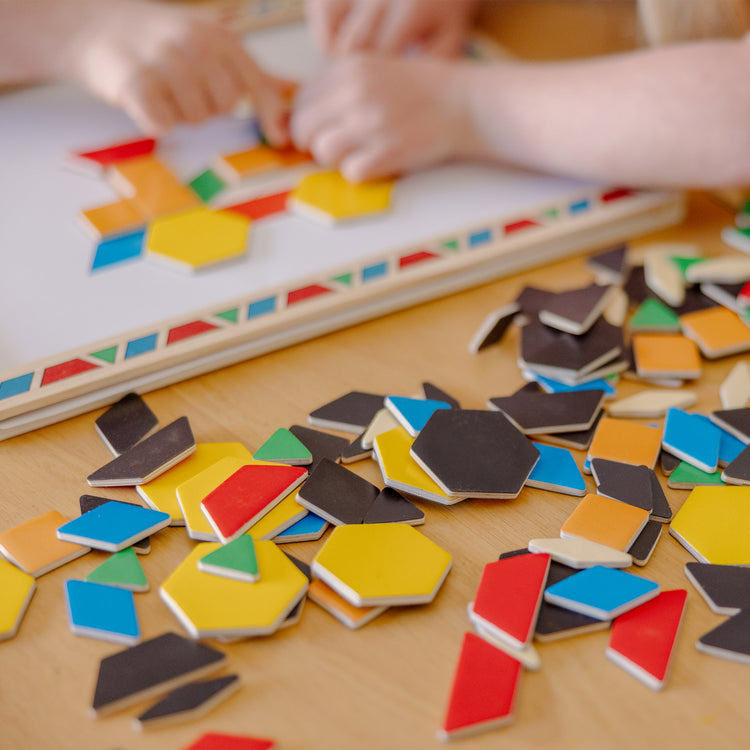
<point>360,30</point>
<point>446,42</point>
<point>150,104</point>
<point>330,147</point>
<point>402,27</point>
<point>325,17</point>
<point>369,164</point>
<point>186,83</point>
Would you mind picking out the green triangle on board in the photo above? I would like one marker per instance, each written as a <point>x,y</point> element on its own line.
<point>231,315</point>
<point>237,560</point>
<point>450,245</point>
<point>654,315</point>
<point>285,448</point>
<point>344,278</point>
<point>108,355</point>
<point>123,569</point>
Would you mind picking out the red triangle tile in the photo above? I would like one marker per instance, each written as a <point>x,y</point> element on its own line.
<point>484,689</point>
<point>642,640</point>
<point>509,596</point>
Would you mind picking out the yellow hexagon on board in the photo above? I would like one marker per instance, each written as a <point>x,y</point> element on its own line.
<point>713,524</point>
<point>401,472</point>
<point>17,589</point>
<point>197,238</point>
<point>211,606</point>
<point>329,198</point>
<point>382,564</point>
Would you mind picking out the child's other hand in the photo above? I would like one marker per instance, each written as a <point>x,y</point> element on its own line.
<point>436,27</point>
<point>371,117</point>
<point>166,64</point>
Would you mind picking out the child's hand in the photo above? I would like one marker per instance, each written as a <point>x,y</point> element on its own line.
<point>436,27</point>
<point>166,64</point>
<point>372,117</point>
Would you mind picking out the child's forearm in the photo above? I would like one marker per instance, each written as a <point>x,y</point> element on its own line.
<point>674,116</point>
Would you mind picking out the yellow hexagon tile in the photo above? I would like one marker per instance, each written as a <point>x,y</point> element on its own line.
<point>382,564</point>
<point>211,606</point>
<point>713,524</point>
<point>198,238</point>
<point>191,492</point>
<point>161,493</point>
<point>17,589</point>
<point>329,198</point>
<point>401,472</point>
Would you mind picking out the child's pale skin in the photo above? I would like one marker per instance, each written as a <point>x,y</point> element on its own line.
<point>676,116</point>
<point>162,63</point>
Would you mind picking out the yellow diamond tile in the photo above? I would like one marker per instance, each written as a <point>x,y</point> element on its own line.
<point>197,238</point>
<point>402,472</point>
<point>382,564</point>
<point>714,525</point>
<point>161,493</point>
<point>17,589</point>
<point>328,197</point>
<point>210,606</point>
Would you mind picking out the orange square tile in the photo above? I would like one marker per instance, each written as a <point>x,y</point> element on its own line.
<point>353,617</point>
<point>34,547</point>
<point>251,162</point>
<point>717,331</point>
<point>153,188</point>
<point>665,356</point>
<point>167,200</point>
<point>114,218</point>
<point>626,441</point>
<point>606,521</point>
<point>141,175</point>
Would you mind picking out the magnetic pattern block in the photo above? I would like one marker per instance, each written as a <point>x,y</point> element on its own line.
<point>483,692</point>
<point>382,564</point>
<point>605,521</point>
<point>34,547</point>
<point>18,588</point>
<point>508,597</point>
<point>713,524</point>
<point>164,662</point>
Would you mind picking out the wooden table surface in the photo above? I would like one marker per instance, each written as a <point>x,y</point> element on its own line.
<point>318,684</point>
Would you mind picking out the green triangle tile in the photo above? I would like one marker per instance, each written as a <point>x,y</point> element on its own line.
<point>231,315</point>
<point>653,315</point>
<point>450,245</point>
<point>234,560</point>
<point>684,263</point>
<point>207,185</point>
<point>687,476</point>
<point>108,355</point>
<point>123,569</point>
<point>284,448</point>
<point>551,213</point>
<point>344,278</point>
